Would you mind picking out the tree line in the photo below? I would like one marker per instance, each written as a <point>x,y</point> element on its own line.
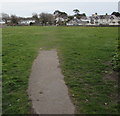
<point>47,18</point>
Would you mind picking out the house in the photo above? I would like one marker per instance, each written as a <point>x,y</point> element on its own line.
<point>2,22</point>
<point>95,20</point>
<point>60,17</point>
<point>26,21</point>
<point>82,21</point>
<point>60,20</point>
<point>74,21</point>
<point>85,20</point>
<point>104,20</point>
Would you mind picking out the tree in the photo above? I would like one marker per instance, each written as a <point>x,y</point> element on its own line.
<point>14,19</point>
<point>35,17</point>
<point>76,11</point>
<point>83,14</point>
<point>50,19</point>
<point>58,13</point>
<point>46,18</point>
<point>96,13</point>
<point>117,14</point>
<point>79,16</point>
<point>63,15</point>
<point>106,14</point>
<point>5,17</point>
<point>70,18</point>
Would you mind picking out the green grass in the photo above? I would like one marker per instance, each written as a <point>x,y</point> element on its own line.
<point>84,53</point>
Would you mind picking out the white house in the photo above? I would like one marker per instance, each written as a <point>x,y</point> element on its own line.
<point>82,21</point>
<point>26,22</point>
<point>2,22</point>
<point>96,20</point>
<point>105,20</point>
<point>59,20</point>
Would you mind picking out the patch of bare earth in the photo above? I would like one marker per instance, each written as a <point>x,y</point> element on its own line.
<point>111,75</point>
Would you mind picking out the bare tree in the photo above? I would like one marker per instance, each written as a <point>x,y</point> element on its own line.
<point>14,19</point>
<point>35,17</point>
<point>46,18</point>
<point>50,19</point>
<point>5,17</point>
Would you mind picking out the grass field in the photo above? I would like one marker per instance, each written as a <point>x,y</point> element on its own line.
<point>85,55</point>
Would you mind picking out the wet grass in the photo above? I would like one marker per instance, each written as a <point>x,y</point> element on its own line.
<point>84,54</point>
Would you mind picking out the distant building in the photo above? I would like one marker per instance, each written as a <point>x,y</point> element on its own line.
<point>105,20</point>
<point>26,21</point>
<point>95,20</point>
<point>2,22</point>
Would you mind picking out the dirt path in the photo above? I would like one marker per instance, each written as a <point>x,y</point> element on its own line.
<point>47,88</point>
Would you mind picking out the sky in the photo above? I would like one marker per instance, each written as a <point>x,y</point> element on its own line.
<point>26,8</point>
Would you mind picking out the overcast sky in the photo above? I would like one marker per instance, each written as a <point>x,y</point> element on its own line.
<point>27,8</point>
